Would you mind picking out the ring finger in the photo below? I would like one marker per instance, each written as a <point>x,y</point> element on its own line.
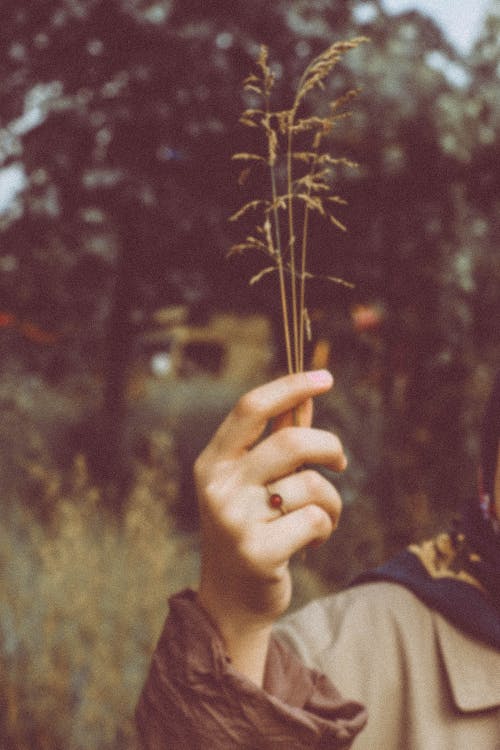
<point>304,488</point>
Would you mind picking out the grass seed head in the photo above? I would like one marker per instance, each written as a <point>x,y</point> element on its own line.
<point>306,185</point>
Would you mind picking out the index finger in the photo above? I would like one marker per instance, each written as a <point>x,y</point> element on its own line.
<point>301,416</point>
<point>247,421</point>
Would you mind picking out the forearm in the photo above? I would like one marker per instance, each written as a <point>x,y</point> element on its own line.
<point>218,679</point>
<point>246,637</point>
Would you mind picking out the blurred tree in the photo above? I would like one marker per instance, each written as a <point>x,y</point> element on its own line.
<point>483,183</point>
<point>124,116</point>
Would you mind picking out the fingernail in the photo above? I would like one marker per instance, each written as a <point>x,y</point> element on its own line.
<point>319,377</point>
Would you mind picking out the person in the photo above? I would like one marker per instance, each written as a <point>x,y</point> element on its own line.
<point>416,641</point>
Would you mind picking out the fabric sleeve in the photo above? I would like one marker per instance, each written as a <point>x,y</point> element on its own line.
<point>193,697</point>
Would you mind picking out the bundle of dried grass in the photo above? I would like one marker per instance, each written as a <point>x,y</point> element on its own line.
<point>307,184</point>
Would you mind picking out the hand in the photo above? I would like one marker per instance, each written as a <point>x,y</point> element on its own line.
<point>246,544</point>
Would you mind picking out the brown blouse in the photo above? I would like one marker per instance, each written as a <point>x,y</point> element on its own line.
<point>194,699</point>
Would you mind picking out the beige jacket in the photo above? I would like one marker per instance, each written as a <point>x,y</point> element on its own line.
<point>426,685</point>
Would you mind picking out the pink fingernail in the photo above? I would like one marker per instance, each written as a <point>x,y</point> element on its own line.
<point>320,377</point>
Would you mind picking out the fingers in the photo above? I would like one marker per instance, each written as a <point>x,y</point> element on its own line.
<point>267,552</point>
<point>297,530</point>
<point>301,416</point>
<point>285,451</point>
<point>305,488</point>
<point>311,511</point>
<point>312,508</point>
<point>248,420</point>
<point>232,472</point>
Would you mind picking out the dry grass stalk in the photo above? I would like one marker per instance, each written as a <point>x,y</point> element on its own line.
<point>83,602</point>
<point>307,184</point>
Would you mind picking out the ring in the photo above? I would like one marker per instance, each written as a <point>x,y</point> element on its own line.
<point>276,501</point>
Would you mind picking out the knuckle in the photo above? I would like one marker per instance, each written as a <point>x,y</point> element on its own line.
<point>213,481</point>
<point>318,520</point>
<point>338,449</point>
<point>290,439</point>
<point>209,499</point>
<point>322,492</point>
<point>224,516</point>
<point>336,503</point>
<point>335,509</point>
<point>337,445</point>
<point>248,549</point>
<point>249,403</point>
<point>315,483</point>
<point>199,467</point>
<point>233,521</point>
<point>211,493</point>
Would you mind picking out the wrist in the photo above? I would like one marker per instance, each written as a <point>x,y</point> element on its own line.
<point>241,598</point>
<point>245,634</point>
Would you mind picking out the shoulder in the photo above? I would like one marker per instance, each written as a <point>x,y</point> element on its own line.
<point>382,628</point>
<point>371,608</point>
<point>366,640</point>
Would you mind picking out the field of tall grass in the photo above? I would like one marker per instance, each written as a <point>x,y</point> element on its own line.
<point>84,593</point>
<point>83,601</point>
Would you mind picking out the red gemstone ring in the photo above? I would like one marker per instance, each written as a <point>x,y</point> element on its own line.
<point>276,501</point>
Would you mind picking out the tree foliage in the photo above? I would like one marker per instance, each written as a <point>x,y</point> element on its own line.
<point>123,116</point>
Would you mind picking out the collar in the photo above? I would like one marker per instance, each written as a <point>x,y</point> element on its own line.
<point>446,588</point>
<point>472,668</point>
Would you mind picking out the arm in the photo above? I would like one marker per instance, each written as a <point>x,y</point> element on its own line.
<point>245,544</point>
<point>218,678</point>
